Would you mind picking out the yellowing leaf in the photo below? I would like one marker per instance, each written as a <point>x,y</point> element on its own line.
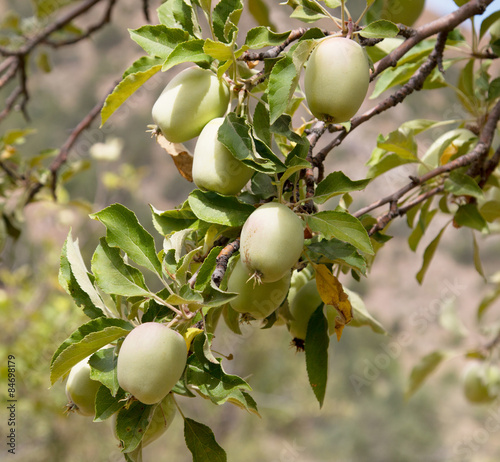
<point>448,153</point>
<point>190,334</point>
<point>183,160</point>
<point>332,293</point>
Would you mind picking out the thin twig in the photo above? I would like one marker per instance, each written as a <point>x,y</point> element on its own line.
<point>105,20</point>
<point>62,157</point>
<point>9,102</point>
<point>274,51</point>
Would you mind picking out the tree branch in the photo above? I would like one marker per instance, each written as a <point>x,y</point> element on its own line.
<point>105,20</point>
<point>62,157</point>
<point>274,51</point>
<point>481,149</point>
<point>223,259</point>
<point>444,24</point>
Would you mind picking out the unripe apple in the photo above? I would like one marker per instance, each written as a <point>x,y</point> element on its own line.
<point>81,389</point>
<point>160,421</point>
<point>151,361</point>
<point>481,382</point>
<point>336,79</point>
<point>400,11</point>
<point>191,99</point>
<point>303,305</point>
<point>271,242</point>
<point>214,167</point>
<point>431,159</point>
<point>260,300</point>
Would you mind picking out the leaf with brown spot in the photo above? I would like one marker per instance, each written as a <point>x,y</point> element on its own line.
<point>183,160</point>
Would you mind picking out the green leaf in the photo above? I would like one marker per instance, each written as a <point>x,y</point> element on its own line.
<point>84,290</point>
<point>337,183</point>
<point>103,368</point>
<point>170,221</point>
<point>343,226</point>
<point>316,346</point>
<point>114,276</point>
<point>339,252</point>
<point>143,64</point>
<point>84,341</point>
<point>401,143</point>
<point>218,50</point>
<point>466,87</point>
<point>187,52</point>
<point>423,223</point>
<point>200,440</point>
<point>285,77</point>
<point>129,85</point>
<point>123,230</point>
<point>488,22</point>
<point>179,14</point>
<point>158,40</point>
<point>306,10</point>
<point>260,12</point>
<point>423,369</point>
<point>392,77</point>
<point>494,89</point>
<point>211,380</point>
<point>490,210</point>
<point>380,165</point>
<point>429,254</point>
<point>224,13</point>
<point>380,29</point>
<point>361,316</point>
<point>223,210</point>
<point>460,184</point>
<point>488,300</point>
<point>106,404</point>
<point>236,135</point>
<point>185,295</point>
<point>207,268</point>
<point>260,37</point>
<point>468,215</point>
<point>69,283</point>
<point>132,423</point>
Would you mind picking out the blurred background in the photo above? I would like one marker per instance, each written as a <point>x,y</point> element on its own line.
<point>365,416</point>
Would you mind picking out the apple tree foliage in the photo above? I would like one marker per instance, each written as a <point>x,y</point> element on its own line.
<point>184,283</point>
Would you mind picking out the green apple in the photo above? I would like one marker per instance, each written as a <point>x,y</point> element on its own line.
<point>214,167</point>
<point>336,79</point>
<point>271,242</point>
<point>191,99</point>
<point>150,362</point>
<point>259,300</point>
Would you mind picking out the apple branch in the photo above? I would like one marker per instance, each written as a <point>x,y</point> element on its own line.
<point>471,159</point>
<point>223,259</point>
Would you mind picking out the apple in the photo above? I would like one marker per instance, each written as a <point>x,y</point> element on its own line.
<point>336,79</point>
<point>150,362</point>
<point>259,300</point>
<point>191,99</point>
<point>214,167</point>
<point>271,242</point>
<point>81,390</point>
